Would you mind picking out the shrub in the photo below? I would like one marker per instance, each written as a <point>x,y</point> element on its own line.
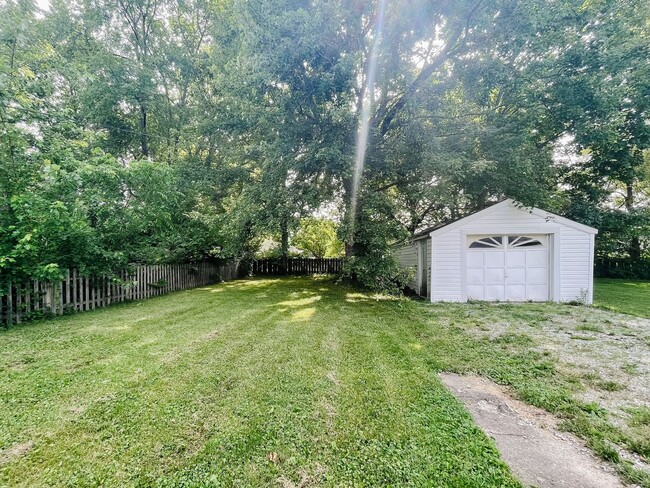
<point>377,273</point>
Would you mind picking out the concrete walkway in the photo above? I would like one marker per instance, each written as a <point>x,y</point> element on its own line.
<point>527,437</point>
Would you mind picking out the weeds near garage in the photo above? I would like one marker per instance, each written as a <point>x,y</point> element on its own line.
<point>590,328</point>
<point>515,358</point>
<point>639,416</point>
<point>591,376</point>
<point>603,438</point>
<point>639,423</point>
<point>512,338</point>
<point>610,386</point>
<point>630,368</point>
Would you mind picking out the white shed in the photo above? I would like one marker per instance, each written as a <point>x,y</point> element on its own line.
<point>505,252</point>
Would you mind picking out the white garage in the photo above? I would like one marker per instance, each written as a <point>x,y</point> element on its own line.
<point>506,252</point>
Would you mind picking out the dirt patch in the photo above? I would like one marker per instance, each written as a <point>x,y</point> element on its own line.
<point>170,356</point>
<point>15,451</point>
<point>612,349</point>
<point>527,437</point>
<point>211,335</point>
<point>77,409</point>
<point>306,479</point>
<point>608,353</point>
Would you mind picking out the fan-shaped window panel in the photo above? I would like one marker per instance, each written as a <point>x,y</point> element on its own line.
<point>494,242</point>
<point>524,241</point>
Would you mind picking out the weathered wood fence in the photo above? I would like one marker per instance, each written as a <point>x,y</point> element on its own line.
<point>23,301</point>
<point>296,266</point>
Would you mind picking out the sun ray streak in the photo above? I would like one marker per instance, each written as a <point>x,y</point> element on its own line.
<point>364,123</point>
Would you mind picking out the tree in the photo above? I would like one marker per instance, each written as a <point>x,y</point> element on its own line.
<point>165,130</point>
<point>599,94</point>
<point>318,237</point>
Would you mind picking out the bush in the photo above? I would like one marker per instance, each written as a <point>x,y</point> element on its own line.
<point>371,264</point>
<point>379,273</point>
<point>623,268</point>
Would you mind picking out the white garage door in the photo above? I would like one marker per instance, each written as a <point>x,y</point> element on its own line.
<point>507,267</point>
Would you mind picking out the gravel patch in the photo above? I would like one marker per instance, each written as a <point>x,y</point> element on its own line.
<point>607,351</point>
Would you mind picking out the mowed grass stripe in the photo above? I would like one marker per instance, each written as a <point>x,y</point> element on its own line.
<point>279,406</point>
<point>250,383</point>
<point>73,374</point>
<point>230,358</point>
<point>396,420</point>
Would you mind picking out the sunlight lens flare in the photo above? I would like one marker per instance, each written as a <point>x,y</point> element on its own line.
<point>364,123</point>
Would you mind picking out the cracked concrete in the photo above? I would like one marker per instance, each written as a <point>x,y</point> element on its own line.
<point>527,438</point>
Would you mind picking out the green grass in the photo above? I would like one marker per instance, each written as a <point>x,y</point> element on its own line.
<point>292,381</point>
<point>248,383</point>
<point>626,296</point>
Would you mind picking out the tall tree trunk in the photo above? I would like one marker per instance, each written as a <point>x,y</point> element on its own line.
<point>348,238</point>
<point>144,143</point>
<point>634,246</point>
<point>284,241</point>
<point>634,249</point>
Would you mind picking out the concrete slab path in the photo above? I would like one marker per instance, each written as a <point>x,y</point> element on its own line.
<point>527,437</point>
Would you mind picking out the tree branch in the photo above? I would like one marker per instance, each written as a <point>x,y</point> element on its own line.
<point>385,120</point>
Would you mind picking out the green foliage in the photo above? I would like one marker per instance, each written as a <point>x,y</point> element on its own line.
<point>318,238</point>
<point>372,264</point>
<point>170,130</point>
<point>377,272</point>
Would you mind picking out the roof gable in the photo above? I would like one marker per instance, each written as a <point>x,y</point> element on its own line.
<point>511,204</point>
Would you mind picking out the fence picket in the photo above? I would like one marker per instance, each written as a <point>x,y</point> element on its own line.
<point>76,293</point>
<point>73,290</point>
<point>150,278</point>
<point>19,305</point>
<point>296,266</point>
<point>124,286</point>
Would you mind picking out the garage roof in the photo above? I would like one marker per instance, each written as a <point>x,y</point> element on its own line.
<point>442,228</point>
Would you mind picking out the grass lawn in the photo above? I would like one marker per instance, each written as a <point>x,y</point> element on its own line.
<point>625,296</point>
<point>293,382</point>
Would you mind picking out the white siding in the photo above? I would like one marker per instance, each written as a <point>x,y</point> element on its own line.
<point>571,262</point>
<point>447,267</point>
<point>575,265</point>
<point>506,219</point>
<point>407,257</point>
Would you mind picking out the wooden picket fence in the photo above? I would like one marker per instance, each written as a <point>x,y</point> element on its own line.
<point>23,301</point>
<point>297,266</point>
